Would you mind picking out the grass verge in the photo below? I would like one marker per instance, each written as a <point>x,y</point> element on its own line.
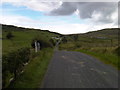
<point>107,58</point>
<point>34,72</point>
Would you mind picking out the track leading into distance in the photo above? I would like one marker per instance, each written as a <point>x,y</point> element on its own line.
<point>69,69</point>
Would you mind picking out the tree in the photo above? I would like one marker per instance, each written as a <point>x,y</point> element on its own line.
<point>43,42</point>
<point>52,41</point>
<point>13,62</point>
<point>9,35</point>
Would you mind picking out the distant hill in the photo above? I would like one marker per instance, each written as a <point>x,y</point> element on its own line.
<point>101,34</point>
<point>106,33</point>
<point>14,28</point>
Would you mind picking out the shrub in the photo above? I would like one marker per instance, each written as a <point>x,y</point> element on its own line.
<point>4,70</point>
<point>13,63</point>
<point>117,51</point>
<point>43,43</point>
<point>24,54</point>
<point>77,45</point>
<point>17,59</point>
<point>52,42</point>
<point>75,37</point>
<point>9,35</point>
<point>64,40</point>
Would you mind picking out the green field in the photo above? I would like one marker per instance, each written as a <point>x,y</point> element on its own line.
<point>22,38</point>
<point>35,69</point>
<point>102,44</point>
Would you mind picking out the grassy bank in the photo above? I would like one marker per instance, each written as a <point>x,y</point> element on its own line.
<point>24,38</point>
<point>34,72</point>
<point>105,54</point>
<point>107,58</point>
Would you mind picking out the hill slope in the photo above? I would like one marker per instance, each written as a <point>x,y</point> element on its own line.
<point>108,33</point>
<point>23,37</point>
<point>16,47</point>
<point>103,37</point>
<point>103,44</point>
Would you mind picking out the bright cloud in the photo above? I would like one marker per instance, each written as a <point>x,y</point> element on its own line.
<point>36,5</point>
<point>60,27</point>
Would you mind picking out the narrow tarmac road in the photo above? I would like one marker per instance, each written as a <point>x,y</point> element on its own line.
<point>70,69</point>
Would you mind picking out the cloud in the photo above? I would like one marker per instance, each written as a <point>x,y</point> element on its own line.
<point>100,12</point>
<point>36,5</point>
<point>21,21</point>
<point>77,28</point>
<point>96,16</point>
<point>119,14</point>
<point>88,10</point>
<point>56,26</point>
<point>65,9</point>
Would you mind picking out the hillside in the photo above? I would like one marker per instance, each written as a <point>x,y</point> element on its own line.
<point>106,33</point>
<point>16,28</point>
<point>23,37</point>
<point>104,36</point>
<point>103,44</point>
<point>19,56</point>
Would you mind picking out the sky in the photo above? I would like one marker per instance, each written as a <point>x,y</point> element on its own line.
<point>65,17</point>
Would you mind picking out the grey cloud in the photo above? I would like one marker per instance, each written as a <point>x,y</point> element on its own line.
<point>119,14</point>
<point>66,8</point>
<point>105,9</point>
<point>87,9</point>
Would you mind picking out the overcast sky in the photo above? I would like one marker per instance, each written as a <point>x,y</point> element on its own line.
<point>58,16</point>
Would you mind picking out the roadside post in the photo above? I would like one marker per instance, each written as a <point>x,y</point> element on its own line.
<point>36,46</point>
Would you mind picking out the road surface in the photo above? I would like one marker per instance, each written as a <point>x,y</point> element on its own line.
<point>69,69</point>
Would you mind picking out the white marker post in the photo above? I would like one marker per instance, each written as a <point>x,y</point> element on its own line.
<point>38,45</point>
<point>35,46</point>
